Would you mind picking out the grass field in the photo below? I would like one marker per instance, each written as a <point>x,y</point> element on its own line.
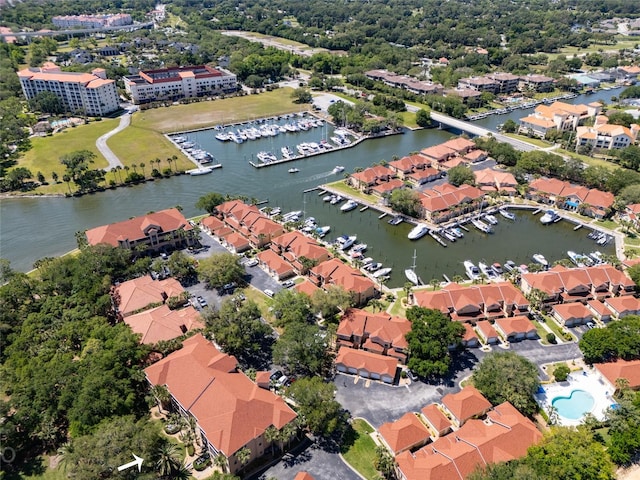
<point>533,141</point>
<point>45,153</point>
<point>622,42</point>
<point>362,450</point>
<point>225,111</point>
<point>594,162</point>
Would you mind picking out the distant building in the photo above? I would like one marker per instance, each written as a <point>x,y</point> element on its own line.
<point>558,116</point>
<point>605,135</point>
<point>179,82</point>
<point>92,21</point>
<point>87,93</point>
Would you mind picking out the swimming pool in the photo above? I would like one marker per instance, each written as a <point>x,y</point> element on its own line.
<point>575,405</point>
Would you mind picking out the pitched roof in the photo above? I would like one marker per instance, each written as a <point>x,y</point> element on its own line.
<point>137,228</point>
<point>335,272</point>
<point>230,409</point>
<point>515,325</point>
<point>436,418</point>
<point>380,326</point>
<point>306,287</point>
<point>371,362</point>
<point>161,323</point>
<point>459,144</point>
<point>629,369</point>
<point>275,262</point>
<point>404,433</point>
<point>467,403</point>
<point>141,292</point>
<point>303,476</point>
<point>567,311</point>
<point>626,303</point>
<point>371,174</point>
<point>560,278</point>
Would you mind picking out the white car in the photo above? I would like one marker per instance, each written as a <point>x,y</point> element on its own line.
<point>268,292</point>
<point>252,263</point>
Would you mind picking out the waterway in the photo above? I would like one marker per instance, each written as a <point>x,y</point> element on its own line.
<point>33,228</point>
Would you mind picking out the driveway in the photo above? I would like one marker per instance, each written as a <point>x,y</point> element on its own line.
<point>101,142</point>
<point>322,464</point>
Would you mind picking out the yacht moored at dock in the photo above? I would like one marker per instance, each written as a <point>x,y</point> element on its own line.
<point>491,219</point>
<point>418,231</point>
<point>539,258</point>
<point>549,217</point>
<point>506,214</point>
<point>480,225</point>
<point>472,271</point>
<point>382,272</point>
<point>350,205</point>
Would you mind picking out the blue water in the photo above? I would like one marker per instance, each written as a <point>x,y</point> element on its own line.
<point>575,405</point>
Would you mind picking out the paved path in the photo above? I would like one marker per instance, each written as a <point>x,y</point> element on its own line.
<point>101,143</point>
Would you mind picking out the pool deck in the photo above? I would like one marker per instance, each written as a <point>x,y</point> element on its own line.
<point>582,380</point>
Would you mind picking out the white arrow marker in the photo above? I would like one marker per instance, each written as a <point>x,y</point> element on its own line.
<point>138,461</point>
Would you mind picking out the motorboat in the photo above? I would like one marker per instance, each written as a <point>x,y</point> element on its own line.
<point>480,225</point>
<point>276,211</point>
<point>350,205</point>
<point>367,261</point>
<point>597,257</point>
<point>457,232</point>
<point>337,169</point>
<point>286,152</point>
<point>200,171</point>
<point>576,258</point>
<point>372,267</point>
<point>396,220</point>
<point>418,231</point>
<point>549,217</point>
<point>523,268</point>
<point>448,235</point>
<point>360,247</point>
<point>510,266</point>
<point>328,198</point>
<point>506,214</point>
<point>486,270</point>
<point>336,199</point>
<point>497,268</point>
<point>491,219</point>
<point>345,242</point>
<point>293,170</point>
<point>539,258</point>
<point>382,272</point>
<point>472,271</point>
<point>322,231</point>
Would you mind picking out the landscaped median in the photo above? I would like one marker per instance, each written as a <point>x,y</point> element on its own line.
<point>359,449</point>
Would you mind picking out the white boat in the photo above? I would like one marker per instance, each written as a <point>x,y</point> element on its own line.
<point>350,205</point>
<point>523,268</point>
<point>410,273</point>
<point>491,219</point>
<point>200,171</point>
<point>397,220</point>
<point>276,211</point>
<point>345,241</point>
<point>360,247</point>
<point>286,152</point>
<point>510,266</point>
<point>223,137</point>
<point>549,217</point>
<point>328,198</point>
<point>506,214</point>
<point>497,269</point>
<point>367,261</point>
<point>597,257</point>
<point>480,225</point>
<point>372,267</point>
<point>472,271</point>
<point>293,170</point>
<point>336,199</point>
<point>382,272</point>
<point>418,231</point>
<point>539,258</point>
<point>457,232</point>
<point>322,231</point>
<point>338,169</point>
<point>575,258</point>
<point>486,270</point>
<point>448,235</point>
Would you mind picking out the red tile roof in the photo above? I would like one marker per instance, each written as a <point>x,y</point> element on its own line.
<point>487,330</point>
<point>467,403</point>
<point>623,305</point>
<point>573,310</point>
<point>560,278</point>
<point>460,144</point>
<point>306,287</point>
<point>438,152</point>
<point>138,228</point>
<point>161,323</point>
<point>335,272</point>
<point>515,325</point>
<point>136,294</point>
<point>230,409</point>
<point>629,369</point>
<point>373,174</point>
<point>275,263</point>
<point>303,476</point>
<point>370,362</point>
<point>436,418</point>
<point>405,433</point>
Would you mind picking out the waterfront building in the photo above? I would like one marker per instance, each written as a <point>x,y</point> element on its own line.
<point>606,136</point>
<point>406,82</point>
<point>507,82</point>
<point>232,413</point>
<point>335,272</point>
<point>479,84</point>
<point>535,83</point>
<point>446,201</point>
<point>475,302</point>
<point>294,247</point>
<point>81,93</point>
<point>154,232</point>
<point>589,201</point>
<point>489,180</point>
<point>379,333</point>
<point>92,21</point>
<point>558,116</point>
<point>140,293</point>
<point>175,83</point>
<point>564,285</point>
<point>248,221</point>
<point>370,177</point>
<point>469,96</point>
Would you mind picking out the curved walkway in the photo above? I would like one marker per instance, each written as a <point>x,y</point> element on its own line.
<point>101,143</point>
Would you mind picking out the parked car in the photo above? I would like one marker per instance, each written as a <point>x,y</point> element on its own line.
<point>288,283</point>
<point>229,287</point>
<point>282,381</point>
<point>252,263</point>
<point>203,303</point>
<point>413,375</point>
<point>276,375</point>
<point>590,325</point>
<point>268,292</point>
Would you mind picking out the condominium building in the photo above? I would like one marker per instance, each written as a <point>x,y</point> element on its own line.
<point>92,21</point>
<point>179,82</point>
<point>86,93</point>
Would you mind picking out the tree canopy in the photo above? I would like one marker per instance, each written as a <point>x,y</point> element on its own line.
<point>619,339</point>
<point>210,202</point>
<point>461,174</point>
<point>431,335</point>
<point>317,405</point>
<point>220,269</point>
<point>405,201</point>
<point>303,349</point>
<point>506,376</point>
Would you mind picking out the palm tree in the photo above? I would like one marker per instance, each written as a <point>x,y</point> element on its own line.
<point>55,177</point>
<point>142,165</point>
<point>376,305</point>
<point>67,179</point>
<point>162,396</point>
<point>458,278</point>
<point>167,459</point>
<point>64,452</point>
<point>288,432</point>
<point>243,455</point>
<point>434,282</point>
<point>221,462</point>
<point>169,160</point>
<point>135,167</point>
<point>271,435</point>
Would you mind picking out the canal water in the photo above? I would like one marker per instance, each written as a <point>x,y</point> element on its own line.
<point>33,228</point>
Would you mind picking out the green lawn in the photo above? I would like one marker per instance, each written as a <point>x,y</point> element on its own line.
<point>610,224</point>
<point>342,187</point>
<point>557,329</point>
<point>362,450</point>
<point>45,153</point>
<point>409,119</point>
<point>542,332</point>
<point>594,162</point>
<point>534,141</point>
<point>206,114</point>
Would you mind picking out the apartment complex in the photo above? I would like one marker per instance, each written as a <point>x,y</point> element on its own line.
<point>92,21</point>
<point>605,135</point>
<point>558,116</point>
<point>179,82</point>
<point>86,93</point>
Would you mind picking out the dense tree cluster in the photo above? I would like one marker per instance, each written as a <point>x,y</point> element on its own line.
<point>66,366</point>
<point>620,339</point>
